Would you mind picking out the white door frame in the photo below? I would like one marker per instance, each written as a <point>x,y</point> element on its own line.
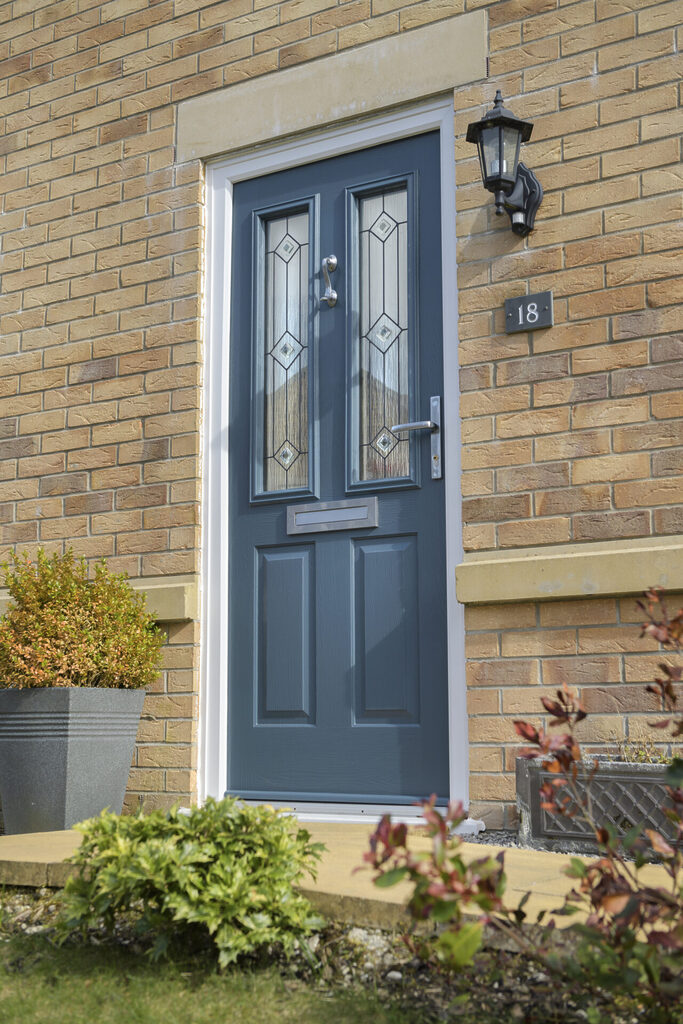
<point>220,177</point>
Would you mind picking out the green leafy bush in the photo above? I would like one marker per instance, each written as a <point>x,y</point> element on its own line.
<point>225,871</point>
<point>62,629</point>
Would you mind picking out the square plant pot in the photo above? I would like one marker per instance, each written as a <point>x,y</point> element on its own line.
<point>65,754</point>
<point>623,793</point>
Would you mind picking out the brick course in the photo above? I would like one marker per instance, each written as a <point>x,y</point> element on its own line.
<point>570,434</point>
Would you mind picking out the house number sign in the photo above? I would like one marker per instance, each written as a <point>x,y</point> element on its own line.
<point>529,312</point>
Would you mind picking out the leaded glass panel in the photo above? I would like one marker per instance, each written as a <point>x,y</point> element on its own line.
<point>384,345</point>
<point>285,363</point>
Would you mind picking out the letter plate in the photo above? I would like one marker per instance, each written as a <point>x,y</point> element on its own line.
<point>323,516</point>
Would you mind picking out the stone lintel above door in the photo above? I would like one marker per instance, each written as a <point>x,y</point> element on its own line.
<point>386,73</point>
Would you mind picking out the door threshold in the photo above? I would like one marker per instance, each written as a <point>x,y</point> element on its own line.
<point>362,814</point>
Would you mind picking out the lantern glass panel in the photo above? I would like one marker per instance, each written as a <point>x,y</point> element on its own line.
<point>490,152</point>
<point>511,138</point>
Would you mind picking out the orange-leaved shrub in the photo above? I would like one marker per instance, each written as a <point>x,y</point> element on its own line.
<point>629,938</point>
<point>64,629</point>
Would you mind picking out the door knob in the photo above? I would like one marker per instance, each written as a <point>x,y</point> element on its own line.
<point>434,426</point>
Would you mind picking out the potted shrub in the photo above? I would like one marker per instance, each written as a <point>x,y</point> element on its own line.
<point>75,656</point>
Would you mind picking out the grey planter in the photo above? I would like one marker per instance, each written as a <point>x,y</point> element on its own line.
<point>65,754</point>
<point>624,794</point>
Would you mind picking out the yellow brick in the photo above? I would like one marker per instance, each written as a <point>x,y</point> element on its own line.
<point>532,423</point>
<point>41,465</point>
<point>169,564</point>
<point>166,755</point>
<point>645,212</point>
<point>485,759</point>
<point>482,645</point>
<point>615,639</point>
<point>178,731</point>
<point>538,643</point>
<point>183,782</point>
<point>477,482</point>
<point>601,729</point>
<point>634,465</point>
<point>117,522</point>
<point>534,532</point>
<point>499,453</point>
<point>474,430</point>
<point>525,700</point>
<point>610,357</point>
<point>74,526</point>
<point>488,402</point>
<point>633,51</point>
<point>565,613</point>
<point>668,405</point>
<point>667,491</point>
<point>181,681</point>
<point>493,787</point>
<point>500,616</point>
<point>614,411</point>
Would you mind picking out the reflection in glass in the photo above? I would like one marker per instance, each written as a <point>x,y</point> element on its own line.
<point>383,336</point>
<point>285,443</point>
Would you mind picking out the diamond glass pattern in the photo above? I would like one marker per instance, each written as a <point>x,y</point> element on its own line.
<point>286,454</point>
<point>286,350</point>
<point>384,333</point>
<point>287,248</point>
<point>384,349</point>
<point>385,442</point>
<point>383,226</point>
<point>285,291</point>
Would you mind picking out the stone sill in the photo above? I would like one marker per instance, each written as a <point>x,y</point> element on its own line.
<point>559,572</point>
<point>169,598</point>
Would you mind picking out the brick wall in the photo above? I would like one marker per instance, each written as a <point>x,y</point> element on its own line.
<point>569,434</point>
<point>574,433</point>
<point>518,653</point>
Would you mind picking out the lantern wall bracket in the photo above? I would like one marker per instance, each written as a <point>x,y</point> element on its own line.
<point>523,201</point>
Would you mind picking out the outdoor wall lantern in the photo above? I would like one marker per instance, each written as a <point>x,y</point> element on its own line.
<point>517,189</point>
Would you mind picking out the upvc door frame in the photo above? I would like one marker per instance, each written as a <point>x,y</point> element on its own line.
<point>221,175</point>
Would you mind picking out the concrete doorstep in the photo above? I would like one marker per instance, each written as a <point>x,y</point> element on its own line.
<point>339,892</point>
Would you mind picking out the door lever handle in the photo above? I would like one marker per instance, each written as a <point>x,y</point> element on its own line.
<point>434,427</point>
<point>418,425</point>
<point>329,267</point>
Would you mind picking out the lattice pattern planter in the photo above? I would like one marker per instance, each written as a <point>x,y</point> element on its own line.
<point>624,794</point>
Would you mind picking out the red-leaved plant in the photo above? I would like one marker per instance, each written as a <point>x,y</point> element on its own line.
<point>630,937</point>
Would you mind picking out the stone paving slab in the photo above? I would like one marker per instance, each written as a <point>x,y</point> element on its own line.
<point>339,891</point>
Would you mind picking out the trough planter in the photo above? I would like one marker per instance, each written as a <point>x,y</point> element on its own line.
<point>65,754</point>
<point>624,794</point>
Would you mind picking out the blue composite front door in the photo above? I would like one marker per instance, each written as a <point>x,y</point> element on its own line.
<point>337,591</point>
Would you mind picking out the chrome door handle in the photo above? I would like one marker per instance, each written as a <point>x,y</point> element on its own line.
<point>434,426</point>
<point>418,425</point>
<point>329,267</point>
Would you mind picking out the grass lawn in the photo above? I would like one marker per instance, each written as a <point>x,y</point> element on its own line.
<point>42,984</point>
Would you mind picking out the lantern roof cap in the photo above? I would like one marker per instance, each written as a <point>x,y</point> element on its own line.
<point>499,116</point>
